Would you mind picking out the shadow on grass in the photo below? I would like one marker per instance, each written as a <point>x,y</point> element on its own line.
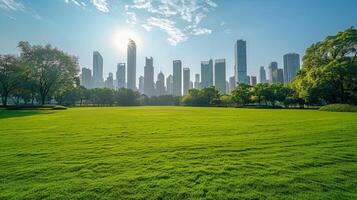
<point>4,113</point>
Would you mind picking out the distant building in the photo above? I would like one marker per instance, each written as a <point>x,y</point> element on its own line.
<point>109,83</point>
<point>186,80</point>
<point>131,65</point>
<point>97,69</point>
<point>169,85</point>
<point>262,75</point>
<point>280,78</point>
<point>120,75</point>
<point>248,80</point>
<point>232,83</point>
<point>273,72</point>
<point>86,78</point>
<point>149,76</point>
<point>291,66</point>
<point>206,73</point>
<point>240,61</point>
<point>227,88</point>
<point>177,78</point>
<point>160,84</point>
<point>220,75</point>
<point>253,80</point>
<point>141,84</point>
<point>197,81</point>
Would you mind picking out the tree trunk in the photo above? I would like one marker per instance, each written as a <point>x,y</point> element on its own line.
<point>43,99</point>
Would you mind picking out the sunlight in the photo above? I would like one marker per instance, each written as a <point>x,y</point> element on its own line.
<point>121,37</point>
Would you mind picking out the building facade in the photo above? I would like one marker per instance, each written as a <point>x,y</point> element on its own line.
<point>273,72</point>
<point>186,80</point>
<point>197,84</point>
<point>169,85</point>
<point>131,65</point>
<point>97,69</point>
<point>291,66</point>
<point>220,75</point>
<point>149,77</point>
<point>160,84</point>
<point>240,61</point>
<point>206,73</point>
<point>120,75</point>
<point>177,77</point>
<point>262,75</point>
<point>86,78</point>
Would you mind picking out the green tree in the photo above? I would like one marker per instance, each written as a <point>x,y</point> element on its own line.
<point>242,94</point>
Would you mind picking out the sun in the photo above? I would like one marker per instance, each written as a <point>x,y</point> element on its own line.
<point>121,37</point>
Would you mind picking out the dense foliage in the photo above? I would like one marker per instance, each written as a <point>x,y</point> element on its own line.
<point>339,108</point>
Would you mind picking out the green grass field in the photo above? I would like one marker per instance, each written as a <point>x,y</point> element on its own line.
<point>177,153</point>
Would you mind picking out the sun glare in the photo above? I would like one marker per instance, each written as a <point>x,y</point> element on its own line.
<point>121,37</point>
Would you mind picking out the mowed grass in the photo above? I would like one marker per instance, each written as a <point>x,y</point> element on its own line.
<point>177,153</point>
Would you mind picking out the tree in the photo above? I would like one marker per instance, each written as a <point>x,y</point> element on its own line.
<point>12,74</point>
<point>242,94</point>
<point>202,97</point>
<point>127,97</point>
<point>52,69</point>
<point>329,71</point>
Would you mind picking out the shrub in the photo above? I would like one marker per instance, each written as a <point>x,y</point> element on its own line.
<point>339,108</point>
<point>58,107</point>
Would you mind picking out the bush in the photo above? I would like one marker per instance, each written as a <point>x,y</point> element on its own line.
<point>339,108</point>
<point>58,107</point>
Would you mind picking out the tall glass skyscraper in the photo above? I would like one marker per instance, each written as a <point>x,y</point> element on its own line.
<point>97,69</point>
<point>240,61</point>
<point>186,80</point>
<point>273,72</point>
<point>291,66</point>
<point>149,76</point>
<point>206,73</point>
<point>262,75</point>
<point>120,75</point>
<point>131,65</point>
<point>177,77</point>
<point>220,75</point>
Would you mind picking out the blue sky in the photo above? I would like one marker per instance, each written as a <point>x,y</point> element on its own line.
<point>189,30</point>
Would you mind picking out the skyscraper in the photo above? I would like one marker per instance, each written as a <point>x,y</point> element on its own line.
<point>177,78</point>
<point>262,75</point>
<point>109,83</point>
<point>186,80</point>
<point>291,66</point>
<point>120,75</point>
<point>232,83</point>
<point>206,73</point>
<point>240,61</point>
<point>253,80</point>
<point>97,69</point>
<point>160,84</point>
<point>86,78</point>
<point>273,72</point>
<point>248,80</point>
<point>280,76</point>
<point>169,85</point>
<point>197,81</point>
<point>131,65</point>
<point>149,76</point>
<point>141,84</point>
<point>220,75</point>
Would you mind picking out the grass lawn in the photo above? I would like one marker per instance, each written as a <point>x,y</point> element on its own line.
<point>177,153</point>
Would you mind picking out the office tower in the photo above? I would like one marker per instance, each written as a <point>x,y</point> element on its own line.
<point>291,66</point>
<point>177,78</point>
<point>86,78</point>
<point>248,80</point>
<point>197,81</point>
<point>262,75</point>
<point>273,72</point>
<point>97,69</point>
<point>186,80</point>
<point>169,85</point>
<point>120,75</point>
<point>280,76</point>
<point>206,73</point>
<point>227,88</point>
<point>109,83</point>
<point>220,75</point>
<point>253,80</point>
<point>191,85</point>
<point>131,65</point>
<point>240,61</point>
<point>160,84</point>
<point>141,84</point>
<point>149,76</point>
<point>232,83</point>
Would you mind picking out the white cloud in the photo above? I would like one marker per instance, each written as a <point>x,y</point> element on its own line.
<point>180,19</point>
<point>13,5</point>
<point>101,5</point>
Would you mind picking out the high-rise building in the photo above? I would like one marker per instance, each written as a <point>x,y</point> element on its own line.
<point>186,80</point>
<point>273,72</point>
<point>248,80</point>
<point>177,78</point>
<point>206,73</point>
<point>109,83</point>
<point>291,66</point>
<point>191,85</point>
<point>131,65</point>
<point>240,61</point>
<point>232,83</point>
<point>253,80</point>
<point>220,75</point>
<point>280,76</point>
<point>197,81</point>
<point>160,84</point>
<point>227,88</point>
<point>86,78</point>
<point>149,76</point>
<point>169,85</point>
<point>97,69</point>
<point>141,84</point>
<point>120,75</point>
<point>262,75</point>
